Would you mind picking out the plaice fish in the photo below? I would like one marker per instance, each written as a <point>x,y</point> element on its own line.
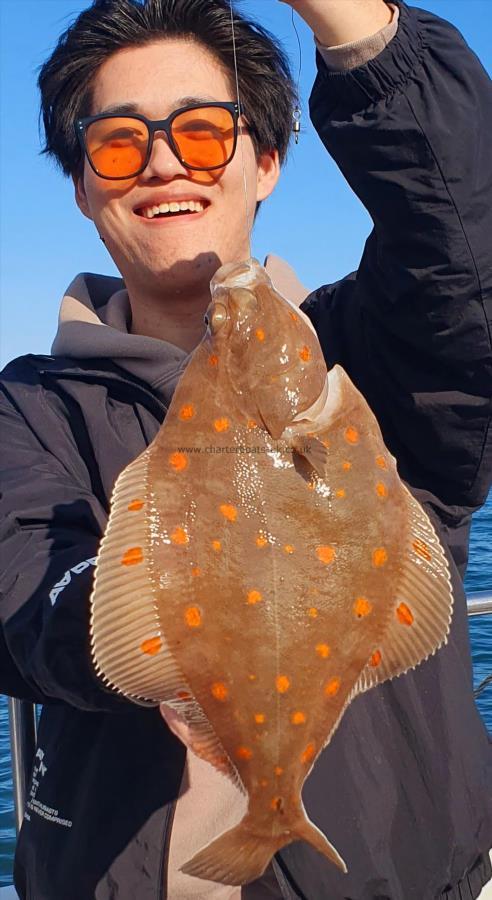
<point>263,565</point>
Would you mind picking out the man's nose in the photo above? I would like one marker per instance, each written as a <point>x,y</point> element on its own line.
<point>163,162</point>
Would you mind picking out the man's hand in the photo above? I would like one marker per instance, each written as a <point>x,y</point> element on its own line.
<point>175,723</point>
<point>337,22</point>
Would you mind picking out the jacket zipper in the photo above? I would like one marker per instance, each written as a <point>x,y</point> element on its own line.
<point>161,408</point>
<point>166,841</point>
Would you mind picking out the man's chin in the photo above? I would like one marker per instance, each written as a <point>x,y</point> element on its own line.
<point>178,276</point>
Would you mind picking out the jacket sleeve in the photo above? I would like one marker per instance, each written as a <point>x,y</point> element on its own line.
<point>410,131</point>
<point>50,528</point>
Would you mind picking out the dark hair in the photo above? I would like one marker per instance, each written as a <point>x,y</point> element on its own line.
<point>266,89</point>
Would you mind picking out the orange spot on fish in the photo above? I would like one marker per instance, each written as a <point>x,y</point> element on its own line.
<point>375,659</point>
<point>305,353</point>
<point>193,616</point>
<point>132,557</point>
<point>312,612</point>
<point>340,493</point>
<point>308,754</point>
<point>278,771</point>
<point>228,511</point>
<point>310,485</point>
<point>263,783</point>
<point>252,677</point>
<point>187,412</point>
<point>362,607</point>
<point>282,683</point>
<point>221,424</point>
<point>183,695</point>
<point>332,687</point>
<point>323,650</point>
<point>381,462</point>
<point>220,691</point>
<point>381,489</point>
<point>259,718</point>
<point>254,597</point>
<point>243,753</point>
<point>178,461</point>
<point>379,557</point>
<point>289,548</point>
<point>325,442</point>
<point>277,804</point>
<point>261,540</point>
<point>351,435</point>
<point>260,334</point>
<point>151,646</point>
<point>326,554</point>
<point>298,718</point>
<point>179,536</point>
<point>196,571</point>
<point>217,546</point>
<point>135,505</point>
<point>294,316</point>
<point>346,465</point>
<point>251,423</point>
<point>213,359</point>
<point>422,550</point>
<point>404,614</point>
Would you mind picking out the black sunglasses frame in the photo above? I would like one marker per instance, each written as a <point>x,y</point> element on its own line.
<point>81,126</point>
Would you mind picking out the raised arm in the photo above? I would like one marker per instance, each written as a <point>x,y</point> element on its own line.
<point>410,131</point>
<point>337,22</point>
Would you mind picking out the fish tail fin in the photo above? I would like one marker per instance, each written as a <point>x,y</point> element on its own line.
<point>241,855</point>
<point>236,857</point>
<point>304,830</point>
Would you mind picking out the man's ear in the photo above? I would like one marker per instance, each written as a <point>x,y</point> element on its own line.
<point>268,174</point>
<point>81,196</point>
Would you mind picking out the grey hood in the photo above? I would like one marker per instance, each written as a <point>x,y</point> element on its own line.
<point>95,320</point>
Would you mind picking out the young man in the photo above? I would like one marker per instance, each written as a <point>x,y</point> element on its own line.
<point>404,107</point>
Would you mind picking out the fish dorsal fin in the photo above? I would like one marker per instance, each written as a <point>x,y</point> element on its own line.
<point>203,741</point>
<point>421,618</point>
<point>129,648</point>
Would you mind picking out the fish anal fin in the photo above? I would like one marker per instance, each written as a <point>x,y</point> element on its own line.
<point>421,617</point>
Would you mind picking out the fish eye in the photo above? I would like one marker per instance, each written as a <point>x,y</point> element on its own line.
<point>218,317</point>
<point>244,299</point>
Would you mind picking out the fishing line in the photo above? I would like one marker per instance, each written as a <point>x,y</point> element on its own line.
<point>297,112</point>
<point>248,223</point>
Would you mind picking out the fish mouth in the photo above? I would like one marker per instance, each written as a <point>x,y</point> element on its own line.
<point>239,274</point>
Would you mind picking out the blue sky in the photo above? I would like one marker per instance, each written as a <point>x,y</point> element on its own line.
<point>313,219</point>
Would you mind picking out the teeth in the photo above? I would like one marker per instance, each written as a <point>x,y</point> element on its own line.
<point>192,205</point>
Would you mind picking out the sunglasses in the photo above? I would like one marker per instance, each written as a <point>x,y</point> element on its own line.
<point>202,136</point>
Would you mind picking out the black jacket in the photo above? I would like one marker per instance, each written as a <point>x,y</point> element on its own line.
<point>404,789</point>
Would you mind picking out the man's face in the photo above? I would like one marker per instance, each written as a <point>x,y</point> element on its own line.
<point>186,251</point>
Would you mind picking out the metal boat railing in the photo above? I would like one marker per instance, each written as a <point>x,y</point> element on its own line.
<point>23,725</point>
<point>479,603</point>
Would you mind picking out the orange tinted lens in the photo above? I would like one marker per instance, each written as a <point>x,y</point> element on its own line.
<point>117,146</point>
<point>204,136</point>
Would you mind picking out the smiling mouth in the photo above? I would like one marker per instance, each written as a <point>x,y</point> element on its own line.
<point>173,209</point>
